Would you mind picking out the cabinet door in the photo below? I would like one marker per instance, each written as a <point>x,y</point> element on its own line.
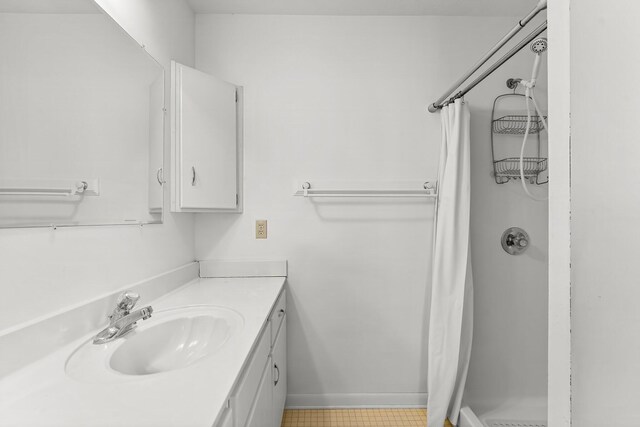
<point>261,414</point>
<point>247,389</point>
<point>206,138</point>
<point>279,373</point>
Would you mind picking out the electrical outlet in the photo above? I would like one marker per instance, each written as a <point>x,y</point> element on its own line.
<point>261,229</point>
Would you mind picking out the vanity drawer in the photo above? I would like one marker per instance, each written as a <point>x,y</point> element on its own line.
<point>278,315</point>
<point>248,386</point>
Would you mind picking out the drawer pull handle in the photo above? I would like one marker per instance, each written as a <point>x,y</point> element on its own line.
<point>281,312</point>
<point>277,380</point>
<point>193,176</point>
<point>159,176</point>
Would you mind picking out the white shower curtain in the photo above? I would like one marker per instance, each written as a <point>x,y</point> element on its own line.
<point>451,319</point>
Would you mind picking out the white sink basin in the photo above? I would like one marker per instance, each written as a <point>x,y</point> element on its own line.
<point>169,340</point>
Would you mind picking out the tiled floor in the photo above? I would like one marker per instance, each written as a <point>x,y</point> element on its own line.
<point>355,418</point>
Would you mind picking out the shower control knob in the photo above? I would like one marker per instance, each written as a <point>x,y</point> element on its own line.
<point>514,241</point>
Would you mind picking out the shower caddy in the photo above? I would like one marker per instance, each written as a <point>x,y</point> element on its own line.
<point>507,168</point>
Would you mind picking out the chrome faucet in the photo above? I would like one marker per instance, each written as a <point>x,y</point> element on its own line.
<point>122,320</point>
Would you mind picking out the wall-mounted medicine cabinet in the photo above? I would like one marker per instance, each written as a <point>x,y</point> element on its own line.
<point>206,142</point>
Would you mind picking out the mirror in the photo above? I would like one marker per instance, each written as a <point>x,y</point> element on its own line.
<point>81,118</point>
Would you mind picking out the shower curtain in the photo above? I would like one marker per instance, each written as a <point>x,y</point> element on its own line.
<point>451,318</point>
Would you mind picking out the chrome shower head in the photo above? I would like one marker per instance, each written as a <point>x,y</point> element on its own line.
<point>539,45</point>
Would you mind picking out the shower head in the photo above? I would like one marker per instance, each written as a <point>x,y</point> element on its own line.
<point>539,45</point>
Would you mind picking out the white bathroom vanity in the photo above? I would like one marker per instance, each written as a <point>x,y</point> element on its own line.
<point>213,353</point>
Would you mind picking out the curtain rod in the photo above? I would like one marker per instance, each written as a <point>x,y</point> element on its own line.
<point>439,103</point>
<point>517,48</point>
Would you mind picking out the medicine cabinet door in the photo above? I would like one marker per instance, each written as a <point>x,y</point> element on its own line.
<point>205,135</point>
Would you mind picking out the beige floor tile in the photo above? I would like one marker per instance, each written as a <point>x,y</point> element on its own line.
<point>394,417</point>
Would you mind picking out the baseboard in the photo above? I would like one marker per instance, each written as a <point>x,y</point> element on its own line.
<point>357,400</point>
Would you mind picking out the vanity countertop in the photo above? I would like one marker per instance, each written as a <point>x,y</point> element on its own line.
<point>42,394</point>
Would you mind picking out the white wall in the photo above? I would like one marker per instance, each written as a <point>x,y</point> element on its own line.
<point>509,353</point>
<point>66,80</point>
<point>605,320</point>
<point>559,372</point>
<point>344,99</point>
<point>42,270</point>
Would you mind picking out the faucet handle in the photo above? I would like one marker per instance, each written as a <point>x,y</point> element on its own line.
<point>127,300</point>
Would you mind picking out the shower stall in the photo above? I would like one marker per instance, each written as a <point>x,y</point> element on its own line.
<point>507,375</point>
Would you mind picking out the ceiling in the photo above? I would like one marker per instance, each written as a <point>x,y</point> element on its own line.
<point>48,6</point>
<point>303,7</point>
<point>367,7</point>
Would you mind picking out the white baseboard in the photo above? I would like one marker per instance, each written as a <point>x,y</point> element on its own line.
<point>357,400</point>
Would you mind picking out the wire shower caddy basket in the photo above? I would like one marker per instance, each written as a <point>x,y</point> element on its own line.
<point>517,125</point>
<point>506,169</point>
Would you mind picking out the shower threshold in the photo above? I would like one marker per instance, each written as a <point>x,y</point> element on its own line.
<point>511,413</point>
